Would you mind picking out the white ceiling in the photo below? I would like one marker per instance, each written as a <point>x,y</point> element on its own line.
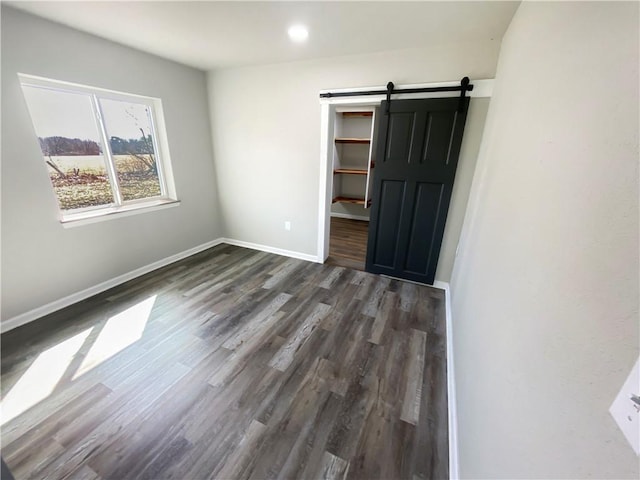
<point>213,34</point>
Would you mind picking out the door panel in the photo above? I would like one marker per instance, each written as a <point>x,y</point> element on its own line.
<point>437,138</point>
<point>400,138</point>
<point>419,142</point>
<point>426,206</point>
<point>392,196</point>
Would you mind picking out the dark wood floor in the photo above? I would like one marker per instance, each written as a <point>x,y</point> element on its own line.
<point>348,243</point>
<point>232,364</point>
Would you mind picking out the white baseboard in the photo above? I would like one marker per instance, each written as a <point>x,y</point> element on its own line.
<point>267,248</point>
<point>36,313</point>
<point>349,216</point>
<point>56,305</point>
<point>454,473</point>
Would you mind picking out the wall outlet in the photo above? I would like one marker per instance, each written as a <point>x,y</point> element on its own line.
<point>287,225</point>
<point>625,409</point>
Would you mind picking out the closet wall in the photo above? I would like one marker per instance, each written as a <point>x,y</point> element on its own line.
<point>266,137</point>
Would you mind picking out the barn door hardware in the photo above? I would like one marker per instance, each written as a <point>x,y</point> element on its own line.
<point>389,92</point>
<point>464,87</point>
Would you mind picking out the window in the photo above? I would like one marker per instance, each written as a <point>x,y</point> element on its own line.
<point>105,152</point>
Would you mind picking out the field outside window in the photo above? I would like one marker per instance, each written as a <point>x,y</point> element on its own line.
<point>101,149</point>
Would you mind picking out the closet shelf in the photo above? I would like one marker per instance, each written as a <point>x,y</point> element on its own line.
<point>350,171</point>
<point>357,114</point>
<point>359,141</point>
<point>352,165</point>
<point>357,201</point>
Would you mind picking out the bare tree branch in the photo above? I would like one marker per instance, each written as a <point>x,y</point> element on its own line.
<point>55,167</point>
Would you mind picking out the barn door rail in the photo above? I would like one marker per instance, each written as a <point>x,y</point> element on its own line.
<point>464,87</point>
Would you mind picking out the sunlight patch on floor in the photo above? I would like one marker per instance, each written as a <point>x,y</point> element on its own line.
<point>118,333</point>
<point>41,377</point>
<point>44,374</point>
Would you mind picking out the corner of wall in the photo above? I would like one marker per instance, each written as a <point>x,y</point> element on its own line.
<point>452,403</point>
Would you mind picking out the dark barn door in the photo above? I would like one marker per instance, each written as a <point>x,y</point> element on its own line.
<point>417,153</point>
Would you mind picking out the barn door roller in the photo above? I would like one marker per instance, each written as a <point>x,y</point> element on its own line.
<point>389,92</point>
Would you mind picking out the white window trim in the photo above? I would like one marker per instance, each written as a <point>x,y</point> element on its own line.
<point>168,197</point>
<point>86,218</point>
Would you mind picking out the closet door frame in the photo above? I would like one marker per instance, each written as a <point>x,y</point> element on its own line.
<point>481,88</point>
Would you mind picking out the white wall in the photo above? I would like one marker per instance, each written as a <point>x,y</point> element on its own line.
<point>350,210</point>
<point>42,261</point>
<point>266,133</point>
<point>545,286</point>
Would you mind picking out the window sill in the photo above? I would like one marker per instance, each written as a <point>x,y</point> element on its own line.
<point>85,218</point>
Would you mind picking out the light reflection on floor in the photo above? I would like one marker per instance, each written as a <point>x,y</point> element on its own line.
<point>43,375</point>
<point>118,333</point>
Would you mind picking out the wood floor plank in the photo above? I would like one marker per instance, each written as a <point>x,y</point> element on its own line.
<point>431,441</point>
<point>298,453</point>
<point>258,323</point>
<point>21,448</point>
<point>247,365</point>
<point>240,463</point>
<point>282,273</point>
<point>386,311</point>
<point>245,351</point>
<point>288,436</point>
<point>359,399</point>
<point>348,242</point>
<point>373,300</point>
<point>283,359</point>
<point>333,468</point>
<point>84,441</point>
<point>237,402</point>
<point>168,454</point>
<point>413,392</point>
<point>332,277</point>
<point>276,403</point>
<point>30,468</point>
<point>316,449</point>
<point>84,473</point>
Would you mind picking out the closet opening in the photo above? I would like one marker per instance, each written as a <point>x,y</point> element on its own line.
<point>349,170</point>
<point>353,163</point>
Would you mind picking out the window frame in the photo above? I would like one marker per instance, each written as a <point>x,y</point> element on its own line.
<point>119,206</point>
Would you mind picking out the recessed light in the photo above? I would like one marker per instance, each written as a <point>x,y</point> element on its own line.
<point>298,33</point>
